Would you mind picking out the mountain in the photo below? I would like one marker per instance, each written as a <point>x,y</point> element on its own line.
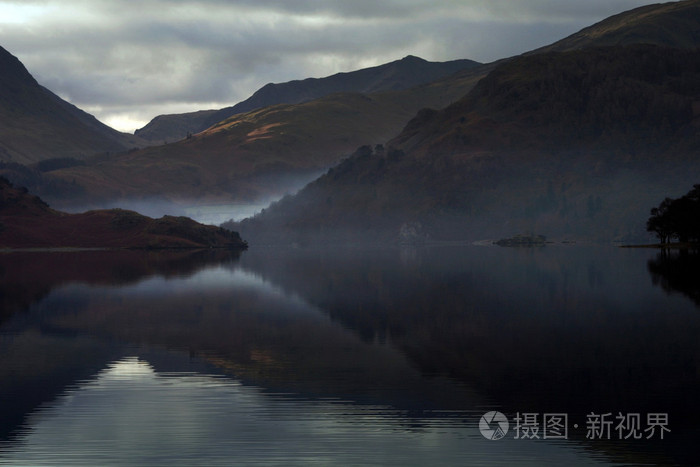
<point>262,154</point>
<point>577,144</point>
<point>673,24</point>
<point>401,74</point>
<point>670,24</point>
<point>572,141</point>
<point>253,156</point>
<point>169,128</point>
<point>27,222</point>
<point>35,124</point>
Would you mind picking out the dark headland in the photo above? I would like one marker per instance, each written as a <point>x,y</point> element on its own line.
<point>26,221</point>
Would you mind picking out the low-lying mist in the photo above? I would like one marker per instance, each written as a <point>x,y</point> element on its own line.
<point>242,199</point>
<point>210,213</point>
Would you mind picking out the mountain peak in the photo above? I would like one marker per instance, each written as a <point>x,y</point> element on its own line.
<point>36,124</point>
<point>413,58</point>
<point>397,75</point>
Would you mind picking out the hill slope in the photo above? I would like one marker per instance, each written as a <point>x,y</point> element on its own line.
<point>670,24</point>
<point>259,154</point>
<point>551,143</point>
<point>401,74</point>
<point>673,24</point>
<point>27,222</point>
<point>579,144</point>
<point>35,124</point>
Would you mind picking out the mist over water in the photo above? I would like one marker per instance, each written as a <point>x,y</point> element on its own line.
<point>207,210</point>
<point>207,213</point>
<point>155,207</point>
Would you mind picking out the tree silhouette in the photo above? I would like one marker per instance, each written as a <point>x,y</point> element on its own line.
<point>677,218</point>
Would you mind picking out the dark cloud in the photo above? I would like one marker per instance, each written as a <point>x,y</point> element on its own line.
<point>129,61</point>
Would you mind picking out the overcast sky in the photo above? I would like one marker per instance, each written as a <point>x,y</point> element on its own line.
<point>128,61</point>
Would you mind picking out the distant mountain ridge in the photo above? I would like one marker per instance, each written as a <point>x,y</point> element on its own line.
<point>578,141</point>
<point>35,124</point>
<point>401,74</point>
<point>523,152</point>
<point>670,24</point>
<point>576,144</point>
<point>252,156</point>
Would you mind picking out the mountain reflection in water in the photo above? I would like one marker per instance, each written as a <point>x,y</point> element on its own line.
<point>367,356</point>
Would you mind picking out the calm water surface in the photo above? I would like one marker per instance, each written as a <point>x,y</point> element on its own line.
<point>350,357</point>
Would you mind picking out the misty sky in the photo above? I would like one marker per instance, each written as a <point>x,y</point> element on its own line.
<point>126,62</point>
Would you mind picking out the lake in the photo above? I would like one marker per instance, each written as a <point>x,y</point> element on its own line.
<point>455,355</point>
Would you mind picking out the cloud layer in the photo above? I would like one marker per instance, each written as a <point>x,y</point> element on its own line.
<point>127,62</point>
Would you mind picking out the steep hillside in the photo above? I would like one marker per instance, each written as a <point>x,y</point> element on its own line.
<point>27,222</point>
<point>673,24</point>
<point>256,155</point>
<point>170,128</point>
<point>35,124</point>
<point>626,99</point>
<point>570,145</point>
<point>401,74</point>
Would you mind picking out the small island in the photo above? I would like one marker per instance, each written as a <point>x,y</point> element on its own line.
<point>26,221</point>
<point>523,240</point>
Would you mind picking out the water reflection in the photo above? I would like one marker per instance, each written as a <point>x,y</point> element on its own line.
<point>582,321</point>
<point>131,415</point>
<point>28,277</point>
<point>677,271</point>
<point>411,346</point>
<point>575,330</point>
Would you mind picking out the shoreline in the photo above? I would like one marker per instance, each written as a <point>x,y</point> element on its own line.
<point>68,249</point>
<point>663,246</point>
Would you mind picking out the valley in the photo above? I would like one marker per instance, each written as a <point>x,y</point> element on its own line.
<point>576,140</point>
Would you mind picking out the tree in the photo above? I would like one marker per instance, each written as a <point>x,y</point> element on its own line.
<point>659,223</point>
<point>677,218</point>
